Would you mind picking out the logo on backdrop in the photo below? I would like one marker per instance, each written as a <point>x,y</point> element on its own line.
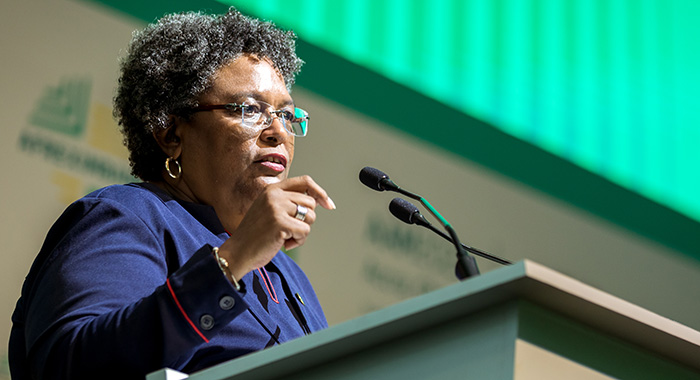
<point>77,138</point>
<point>409,261</point>
<point>63,108</point>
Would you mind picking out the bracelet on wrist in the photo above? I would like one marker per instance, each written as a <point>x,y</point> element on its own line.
<point>223,265</point>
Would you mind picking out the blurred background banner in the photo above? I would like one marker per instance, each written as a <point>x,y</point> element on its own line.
<point>560,131</point>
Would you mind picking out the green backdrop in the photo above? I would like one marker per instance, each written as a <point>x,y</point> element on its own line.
<point>590,101</point>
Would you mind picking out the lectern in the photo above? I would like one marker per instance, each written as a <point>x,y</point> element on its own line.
<point>524,321</point>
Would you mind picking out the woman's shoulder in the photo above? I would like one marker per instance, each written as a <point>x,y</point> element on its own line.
<point>139,199</point>
<point>135,194</point>
<point>124,191</point>
<point>145,201</point>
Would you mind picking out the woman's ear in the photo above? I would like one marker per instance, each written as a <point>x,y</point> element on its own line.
<point>169,138</point>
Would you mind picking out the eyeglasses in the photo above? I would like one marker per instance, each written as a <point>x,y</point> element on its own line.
<point>259,115</point>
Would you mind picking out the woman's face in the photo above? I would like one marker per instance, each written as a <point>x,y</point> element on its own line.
<point>225,164</point>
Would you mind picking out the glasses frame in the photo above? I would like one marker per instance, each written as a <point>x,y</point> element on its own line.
<point>273,114</point>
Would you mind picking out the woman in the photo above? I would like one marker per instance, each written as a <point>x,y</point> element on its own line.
<point>182,270</point>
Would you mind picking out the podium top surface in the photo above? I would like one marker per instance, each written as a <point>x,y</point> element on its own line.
<point>523,280</point>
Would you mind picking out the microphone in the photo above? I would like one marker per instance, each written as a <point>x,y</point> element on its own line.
<point>408,213</point>
<point>377,180</point>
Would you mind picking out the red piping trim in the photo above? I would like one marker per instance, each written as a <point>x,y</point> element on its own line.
<point>266,280</point>
<point>172,293</point>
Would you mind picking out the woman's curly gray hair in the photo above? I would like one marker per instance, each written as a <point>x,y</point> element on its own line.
<point>171,63</point>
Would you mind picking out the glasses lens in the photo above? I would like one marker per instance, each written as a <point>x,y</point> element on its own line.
<point>259,115</point>
<point>251,114</point>
<point>300,123</point>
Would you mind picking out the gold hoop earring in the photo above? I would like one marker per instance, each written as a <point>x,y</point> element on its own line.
<point>167,168</point>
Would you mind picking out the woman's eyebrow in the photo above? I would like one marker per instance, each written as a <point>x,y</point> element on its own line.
<point>239,96</point>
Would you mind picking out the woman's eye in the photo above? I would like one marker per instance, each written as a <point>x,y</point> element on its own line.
<point>287,115</point>
<point>251,109</point>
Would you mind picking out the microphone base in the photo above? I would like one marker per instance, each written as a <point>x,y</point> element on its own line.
<point>466,267</point>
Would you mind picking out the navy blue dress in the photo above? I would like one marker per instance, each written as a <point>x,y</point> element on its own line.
<point>126,284</point>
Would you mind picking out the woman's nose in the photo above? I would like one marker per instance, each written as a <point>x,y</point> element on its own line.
<point>275,132</point>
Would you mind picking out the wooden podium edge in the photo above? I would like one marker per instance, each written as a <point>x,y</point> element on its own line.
<point>525,279</point>
<point>612,315</point>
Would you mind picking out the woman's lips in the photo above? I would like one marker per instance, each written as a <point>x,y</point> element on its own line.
<point>272,165</point>
<point>275,162</point>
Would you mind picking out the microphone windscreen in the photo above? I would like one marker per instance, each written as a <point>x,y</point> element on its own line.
<point>403,210</point>
<point>372,177</point>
